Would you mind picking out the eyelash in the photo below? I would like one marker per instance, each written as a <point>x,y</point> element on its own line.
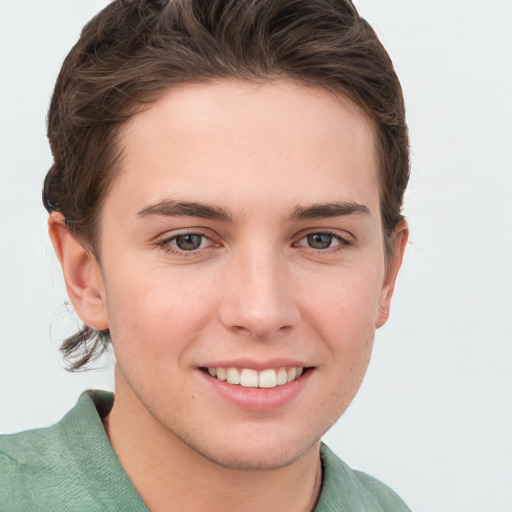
<point>344,242</point>
<point>165,244</point>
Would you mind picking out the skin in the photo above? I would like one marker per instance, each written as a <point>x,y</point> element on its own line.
<point>255,291</point>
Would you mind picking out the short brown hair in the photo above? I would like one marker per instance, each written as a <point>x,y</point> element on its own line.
<point>130,53</point>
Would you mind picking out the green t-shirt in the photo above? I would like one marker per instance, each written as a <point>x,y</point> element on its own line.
<point>71,466</point>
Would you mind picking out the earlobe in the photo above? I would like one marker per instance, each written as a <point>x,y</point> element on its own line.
<point>82,274</point>
<point>399,240</point>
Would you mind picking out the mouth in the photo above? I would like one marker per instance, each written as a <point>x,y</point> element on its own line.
<point>250,378</point>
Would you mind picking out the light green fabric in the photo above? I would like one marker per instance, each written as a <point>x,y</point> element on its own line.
<point>71,467</point>
<point>346,490</point>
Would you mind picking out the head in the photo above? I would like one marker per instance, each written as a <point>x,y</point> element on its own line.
<point>139,72</point>
<point>134,51</point>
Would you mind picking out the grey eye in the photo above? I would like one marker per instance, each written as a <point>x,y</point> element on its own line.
<point>188,242</point>
<point>319,240</point>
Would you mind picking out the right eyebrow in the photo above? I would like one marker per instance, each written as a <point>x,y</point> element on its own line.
<point>327,210</point>
<point>170,208</point>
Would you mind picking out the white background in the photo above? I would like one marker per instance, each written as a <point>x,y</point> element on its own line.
<point>434,416</point>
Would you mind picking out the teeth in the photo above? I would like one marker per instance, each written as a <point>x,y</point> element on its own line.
<point>233,376</point>
<point>282,376</point>
<point>250,378</point>
<point>268,379</point>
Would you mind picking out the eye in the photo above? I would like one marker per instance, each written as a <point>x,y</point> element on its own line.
<point>188,242</point>
<point>320,240</point>
<point>183,244</point>
<point>323,241</point>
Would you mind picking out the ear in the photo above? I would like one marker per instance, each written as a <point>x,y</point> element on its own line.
<point>399,241</point>
<point>82,274</point>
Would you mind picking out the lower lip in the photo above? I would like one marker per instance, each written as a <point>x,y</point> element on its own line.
<point>258,399</point>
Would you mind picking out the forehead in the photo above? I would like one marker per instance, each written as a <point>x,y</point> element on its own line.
<point>230,140</point>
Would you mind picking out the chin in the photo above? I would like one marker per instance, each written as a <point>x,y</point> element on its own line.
<point>257,459</point>
<point>254,451</point>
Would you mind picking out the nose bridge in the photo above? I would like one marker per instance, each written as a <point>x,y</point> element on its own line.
<point>258,298</point>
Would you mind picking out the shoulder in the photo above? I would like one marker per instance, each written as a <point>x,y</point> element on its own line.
<point>22,449</point>
<point>68,466</point>
<point>384,496</point>
<point>37,451</point>
<point>344,489</point>
<point>31,463</point>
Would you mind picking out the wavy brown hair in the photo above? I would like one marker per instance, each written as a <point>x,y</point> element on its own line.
<point>133,51</point>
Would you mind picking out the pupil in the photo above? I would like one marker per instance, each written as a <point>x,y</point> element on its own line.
<point>319,241</point>
<point>188,242</point>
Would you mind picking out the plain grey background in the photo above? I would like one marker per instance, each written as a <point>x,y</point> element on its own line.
<point>433,418</point>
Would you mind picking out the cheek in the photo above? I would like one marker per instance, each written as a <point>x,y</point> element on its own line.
<point>342,314</point>
<point>343,306</point>
<point>157,314</point>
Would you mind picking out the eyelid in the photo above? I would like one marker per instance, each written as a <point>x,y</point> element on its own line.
<point>338,233</point>
<point>164,242</point>
<point>194,230</point>
<point>345,239</point>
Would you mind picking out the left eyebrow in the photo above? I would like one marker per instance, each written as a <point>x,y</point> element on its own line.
<point>326,210</point>
<point>170,208</point>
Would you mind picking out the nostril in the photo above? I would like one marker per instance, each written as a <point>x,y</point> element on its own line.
<point>243,331</point>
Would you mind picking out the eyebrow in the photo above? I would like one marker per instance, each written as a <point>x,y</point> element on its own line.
<point>170,208</point>
<point>326,210</point>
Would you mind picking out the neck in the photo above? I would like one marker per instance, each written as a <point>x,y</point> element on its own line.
<point>166,472</point>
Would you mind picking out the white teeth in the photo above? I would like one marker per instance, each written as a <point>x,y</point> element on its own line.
<point>233,376</point>
<point>268,379</point>
<point>250,378</point>
<point>282,376</point>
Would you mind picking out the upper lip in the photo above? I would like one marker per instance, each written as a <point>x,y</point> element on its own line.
<point>258,365</point>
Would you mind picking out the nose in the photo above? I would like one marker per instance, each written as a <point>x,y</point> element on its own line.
<point>258,296</point>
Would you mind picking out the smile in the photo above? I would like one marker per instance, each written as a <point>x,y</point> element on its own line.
<point>249,378</point>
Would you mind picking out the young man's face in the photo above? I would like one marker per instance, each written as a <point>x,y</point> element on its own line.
<point>244,235</point>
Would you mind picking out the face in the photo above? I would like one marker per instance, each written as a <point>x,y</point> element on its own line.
<point>242,267</point>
